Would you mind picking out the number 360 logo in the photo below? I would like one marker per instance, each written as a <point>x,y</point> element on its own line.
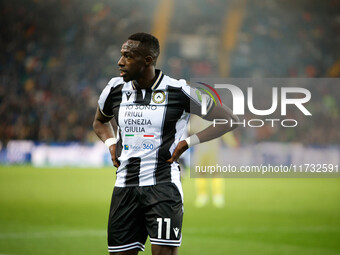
<point>147,145</point>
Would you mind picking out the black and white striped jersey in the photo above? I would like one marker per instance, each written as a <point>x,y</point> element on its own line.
<point>150,124</point>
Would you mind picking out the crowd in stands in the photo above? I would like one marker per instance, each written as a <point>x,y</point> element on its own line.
<point>57,55</point>
<point>285,39</point>
<point>290,40</point>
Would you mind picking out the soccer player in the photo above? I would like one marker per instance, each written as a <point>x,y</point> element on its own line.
<point>151,111</point>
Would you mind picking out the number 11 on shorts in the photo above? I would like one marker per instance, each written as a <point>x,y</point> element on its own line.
<point>160,225</point>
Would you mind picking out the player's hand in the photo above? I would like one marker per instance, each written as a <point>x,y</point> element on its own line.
<point>114,159</point>
<point>182,146</point>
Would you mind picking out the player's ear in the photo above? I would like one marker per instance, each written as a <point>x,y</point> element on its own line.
<point>148,60</point>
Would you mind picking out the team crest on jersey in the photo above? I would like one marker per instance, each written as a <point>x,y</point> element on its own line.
<point>158,97</point>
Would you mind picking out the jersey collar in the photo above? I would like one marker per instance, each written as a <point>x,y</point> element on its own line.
<point>155,85</point>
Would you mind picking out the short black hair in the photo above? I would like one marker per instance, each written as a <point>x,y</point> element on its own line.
<point>148,43</point>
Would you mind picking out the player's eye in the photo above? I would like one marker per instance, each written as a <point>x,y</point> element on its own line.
<point>127,55</point>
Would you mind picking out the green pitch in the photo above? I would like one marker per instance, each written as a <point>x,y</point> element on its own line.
<point>64,212</point>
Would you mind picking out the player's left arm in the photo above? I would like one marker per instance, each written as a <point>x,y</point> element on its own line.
<point>211,132</point>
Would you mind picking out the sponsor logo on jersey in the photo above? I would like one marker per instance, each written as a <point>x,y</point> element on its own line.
<point>147,145</point>
<point>128,95</point>
<point>158,97</point>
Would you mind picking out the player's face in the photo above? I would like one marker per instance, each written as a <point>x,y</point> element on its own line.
<point>131,63</point>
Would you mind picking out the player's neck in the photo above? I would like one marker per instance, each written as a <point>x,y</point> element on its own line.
<point>147,80</point>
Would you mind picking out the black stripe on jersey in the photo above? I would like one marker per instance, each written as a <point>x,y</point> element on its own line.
<point>146,100</point>
<point>133,169</point>
<point>190,105</point>
<point>155,86</point>
<point>172,113</point>
<point>113,101</point>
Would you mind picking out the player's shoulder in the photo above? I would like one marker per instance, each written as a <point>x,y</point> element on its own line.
<point>175,83</point>
<point>112,85</point>
<point>115,81</point>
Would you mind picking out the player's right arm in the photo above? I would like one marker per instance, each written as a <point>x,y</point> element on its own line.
<point>104,117</point>
<point>102,126</point>
<point>104,130</point>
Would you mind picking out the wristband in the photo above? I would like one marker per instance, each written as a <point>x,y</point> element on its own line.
<point>110,141</point>
<point>192,140</point>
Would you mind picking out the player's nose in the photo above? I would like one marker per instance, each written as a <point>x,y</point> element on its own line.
<point>120,61</point>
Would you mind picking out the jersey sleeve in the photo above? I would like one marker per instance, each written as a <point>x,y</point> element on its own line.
<point>105,101</point>
<point>192,99</point>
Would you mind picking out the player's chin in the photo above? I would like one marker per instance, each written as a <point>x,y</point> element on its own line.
<point>126,78</point>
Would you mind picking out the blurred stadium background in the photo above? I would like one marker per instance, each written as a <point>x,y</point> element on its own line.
<point>56,57</point>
